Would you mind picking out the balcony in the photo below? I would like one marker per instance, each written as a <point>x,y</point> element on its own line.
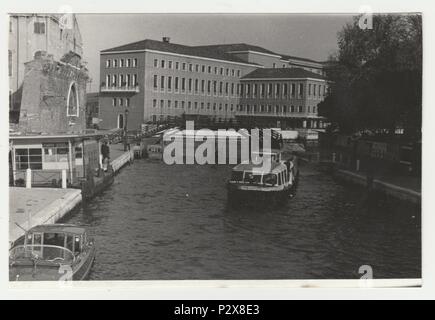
<point>134,89</point>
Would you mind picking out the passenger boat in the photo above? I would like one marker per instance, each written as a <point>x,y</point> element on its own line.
<point>52,253</point>
<point>251,182</point>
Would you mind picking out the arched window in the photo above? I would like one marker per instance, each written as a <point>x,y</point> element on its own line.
<point>72,104</point>
<point>120,121</point>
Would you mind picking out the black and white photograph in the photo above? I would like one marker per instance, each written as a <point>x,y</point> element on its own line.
<point>218,146</point>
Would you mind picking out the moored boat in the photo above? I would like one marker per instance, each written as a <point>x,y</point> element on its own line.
<point>51,253</point>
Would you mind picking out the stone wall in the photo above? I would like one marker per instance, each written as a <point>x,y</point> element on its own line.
<point>48,91</point>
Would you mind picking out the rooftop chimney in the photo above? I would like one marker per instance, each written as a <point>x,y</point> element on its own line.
<point>166,39</point>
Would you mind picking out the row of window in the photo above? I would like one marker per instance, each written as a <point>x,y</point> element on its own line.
<point>276,109</point>
<point>34,157</point>
<point>248,90</point>
<point>194,85</point>
<point>230,107</point>
<point>161,117</point>
<point>193,105</point>
<point>283,90</point>
<point>121,63</point>
<point>120,102</point>
<point>120,80</point>
<point>169,64</point>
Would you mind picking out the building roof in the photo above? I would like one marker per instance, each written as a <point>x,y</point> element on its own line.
<point>58,137</point>
<point>204,52</point>
<point>234,47</point>
<point>284,73</point>
<point>214,51</point>
<point>287,57</point>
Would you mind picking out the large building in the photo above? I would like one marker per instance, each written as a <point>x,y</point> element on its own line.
<point>284,97</point>
<point>92,110</point>
<point>54,34</point>
<point>152,81</point>
<point>47,80</point>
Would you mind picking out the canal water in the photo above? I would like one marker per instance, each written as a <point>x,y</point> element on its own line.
<point>159,222</point>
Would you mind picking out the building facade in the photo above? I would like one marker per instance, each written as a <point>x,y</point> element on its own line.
<point>92,110</point>
<point>47,79</point>
<point>286,98</point>
<point>153,81</point>
<point>51,132</point>
<point>53,96</point>
<point>55,34</point>
<point>157,81</point>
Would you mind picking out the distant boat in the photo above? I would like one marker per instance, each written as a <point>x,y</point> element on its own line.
<point>252,182</point>
<point>155,151</point>
<point>52,253</point>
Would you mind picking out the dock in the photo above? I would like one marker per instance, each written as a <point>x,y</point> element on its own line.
<point>35,206</point>
<point>29,207</point>
<point>120,157</point>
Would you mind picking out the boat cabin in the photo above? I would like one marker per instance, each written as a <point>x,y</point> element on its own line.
<point>251,174</point>
<point>52,243</point>
<point>280,173</point>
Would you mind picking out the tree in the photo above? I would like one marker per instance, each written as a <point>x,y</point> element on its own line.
<point>376,77</point>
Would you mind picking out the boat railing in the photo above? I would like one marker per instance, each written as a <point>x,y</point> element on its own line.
<point>37,252</point>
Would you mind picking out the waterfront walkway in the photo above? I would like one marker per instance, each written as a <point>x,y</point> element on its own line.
<point>31,207</point>
<point>402,187</point>
<point>116,150</point>
<point>119,157</point>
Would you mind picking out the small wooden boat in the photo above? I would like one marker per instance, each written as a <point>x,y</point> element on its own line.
<point>251,182</point>
<point>52,253</point>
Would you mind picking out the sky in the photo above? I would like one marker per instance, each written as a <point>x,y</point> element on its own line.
<point>309,36</point>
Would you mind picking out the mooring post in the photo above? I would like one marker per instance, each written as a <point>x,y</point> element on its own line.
<point>63,179</point>
<point>29,178</point>
<point>333,157</point>
<point>357,164</point>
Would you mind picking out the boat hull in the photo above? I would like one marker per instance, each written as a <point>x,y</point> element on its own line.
<point>80,270</point>
<point>83,269</point>
<point>258,196</point>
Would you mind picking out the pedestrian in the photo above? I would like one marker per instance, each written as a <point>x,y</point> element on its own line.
<point>105,152</point>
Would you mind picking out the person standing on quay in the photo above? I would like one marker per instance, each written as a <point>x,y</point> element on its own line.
<point>105,152</point>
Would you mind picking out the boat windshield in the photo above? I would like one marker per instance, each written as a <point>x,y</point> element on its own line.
<point>237,176</point>
<point>48,253</point>
<point>270,179</point>
<point>251,177</point>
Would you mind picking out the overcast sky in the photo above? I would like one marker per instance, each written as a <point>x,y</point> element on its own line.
<point>309,36</point>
